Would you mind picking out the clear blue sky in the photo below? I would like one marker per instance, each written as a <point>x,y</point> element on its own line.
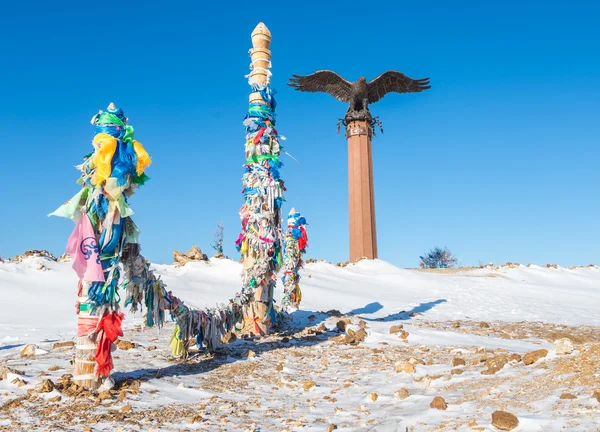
<point>499,161</point>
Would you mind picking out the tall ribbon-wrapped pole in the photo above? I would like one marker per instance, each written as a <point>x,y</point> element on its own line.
<point>104,241</point>
<point>295,242</point>
<point>261,238</point>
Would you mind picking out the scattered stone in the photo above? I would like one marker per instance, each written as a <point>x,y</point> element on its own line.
<point>404,366</point>
<point>122,395</point>
<point>196,418</point>
<point>455,324</point>
<point>307,385</point>
<point>249,354</point>
<point>439,403</point>
<point>458,362</point>
<point>483,324</point>
<point>596,394</point>
<point>104,395</point>
<point>56,398</point>
<point>373,396</point>
<point>125,345</point>
<point>46,387</point>
<point>396,329</point>
<point>564,346</point>
<point>54,368</point>
<point>279,367</point>
<point>151,348</point>
<point>65,344</point>
<point>322,328</point>
<point>29,350</point>
<point>334,313</point>
<point>495,364</point>
<point>534,356</point>
<point>401,394</point>
<point>331,428</point>
<point>404,336</point>
<point>285,340</point>
<point>473,426</point>
<point>568,396</point>
<point>503,420</point>
<point>355,337</point>
<point>456,371</point>
<point>515,357</point>
<point>229,338</point>
<point>125,408</point>
<point>18,382</point>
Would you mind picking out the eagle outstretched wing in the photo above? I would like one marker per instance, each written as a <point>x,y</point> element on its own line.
<point>392,81</point>
<point>324,81</point>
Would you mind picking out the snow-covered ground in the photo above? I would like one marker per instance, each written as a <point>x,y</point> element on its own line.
<point>526,308</point>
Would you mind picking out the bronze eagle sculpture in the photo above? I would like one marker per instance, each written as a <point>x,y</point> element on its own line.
<point>361,93</point>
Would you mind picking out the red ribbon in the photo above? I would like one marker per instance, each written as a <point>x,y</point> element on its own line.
<point>259,135</point>
<point>111,324</point>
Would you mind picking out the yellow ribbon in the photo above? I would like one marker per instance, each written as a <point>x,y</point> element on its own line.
<point>143,158</point>
<point>106,146</point>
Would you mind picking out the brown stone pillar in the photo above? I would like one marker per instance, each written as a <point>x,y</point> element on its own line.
<point>361,197</point>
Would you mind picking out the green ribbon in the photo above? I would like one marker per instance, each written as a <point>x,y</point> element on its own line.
<point>262,158</point>
<point>259,107</point>
<point>85,307</point>
<point>108,118</point>
<point>128,137</point>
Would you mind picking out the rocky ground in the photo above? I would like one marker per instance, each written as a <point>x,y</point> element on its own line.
<point>335,375</point>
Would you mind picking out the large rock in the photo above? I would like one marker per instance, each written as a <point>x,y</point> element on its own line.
<point>505,421</point>
<point>194,254</point>
<point>458,362</point>
<point>46,386</point>
<point>534,356</point>
<point>4,371</point>
<point>34,253</point>
<point>401,394</point>
<point>438,402</point>
<point>29,350</point>
<point>495,364</point>
<point>563,346</point>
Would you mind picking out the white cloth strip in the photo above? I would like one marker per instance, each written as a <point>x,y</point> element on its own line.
<point>84,377</point>
<point>85,361</point>
<point>86,347</point>
<point>261,59</point>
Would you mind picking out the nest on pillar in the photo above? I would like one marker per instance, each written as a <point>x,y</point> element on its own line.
<point>362,115</point>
